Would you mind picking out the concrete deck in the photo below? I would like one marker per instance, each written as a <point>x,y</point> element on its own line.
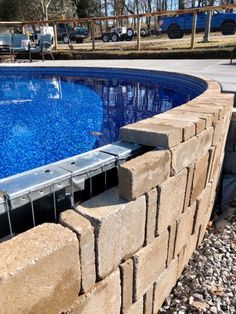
<point>219,70</point>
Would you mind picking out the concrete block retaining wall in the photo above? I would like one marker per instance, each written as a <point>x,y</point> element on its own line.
<point>123,251</point>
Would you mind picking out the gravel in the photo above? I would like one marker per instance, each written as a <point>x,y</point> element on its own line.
<point>208,283</point>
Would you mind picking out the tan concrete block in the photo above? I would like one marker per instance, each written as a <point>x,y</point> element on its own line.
<point>213,86</point>
<point>209,212</point>
<point>181,264</point>
<point>127,273</point>
<point>148,302</point>
<point>187,202</point>
<point>218,130</point>
<point>105,297</point>
<point>153,168</point>
<point>205,220</point>
<point>183,155</point>
<point>202,232</point>
<point>40,271</point>
<point>151,216</point>
<point>227,119</point>
<point>186,253</point>
<point>164,284</point>
<point>210,94</point>
<point>207,117</point>
<point>171,242</point>
<point>182,116</point>
<point>170,208</point>
<point>213,103</point>
<point>217,163</point>
<point>211,160</point>
<point>215,176</point>
<point>211,110</point>
<point>150,133</point>
<point>228,99</point>
<point>136,308</point>
<point>225,134</point>
<point>150,262</point>
<point>217,155</point>
<point>85,234</point>
<point>204,142</point>
<point>200,177</point>
<point>203,203</point>
<point>215,182</point>
<point>213,193</point>
<point>119,228</point>
<point>190,248</point>
<point>188,128</point>
<point>203,227</point>
<point>184,228</point>
<point>224,99</point>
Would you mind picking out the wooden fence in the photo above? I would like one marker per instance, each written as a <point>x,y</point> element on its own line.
<point>91,22</point>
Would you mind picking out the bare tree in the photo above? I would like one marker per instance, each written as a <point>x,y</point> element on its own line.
<point>43,9</point>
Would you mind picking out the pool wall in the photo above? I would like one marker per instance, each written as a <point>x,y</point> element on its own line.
<point>123,250</point>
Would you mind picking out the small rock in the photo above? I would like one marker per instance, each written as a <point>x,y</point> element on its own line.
<point>197,296</point>
<point>191,300</point>
<point>213,310</point>
<point>208,284</point>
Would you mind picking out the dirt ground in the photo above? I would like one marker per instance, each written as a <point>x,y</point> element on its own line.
<point>156,43</point>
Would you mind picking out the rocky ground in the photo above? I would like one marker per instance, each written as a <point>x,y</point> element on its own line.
<point>208,284</point>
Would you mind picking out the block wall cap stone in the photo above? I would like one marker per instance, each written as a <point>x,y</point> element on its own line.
<point>153,168</point>
<point>151,133</point>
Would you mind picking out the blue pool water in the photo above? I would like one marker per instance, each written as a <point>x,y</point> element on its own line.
<point>48,115</point>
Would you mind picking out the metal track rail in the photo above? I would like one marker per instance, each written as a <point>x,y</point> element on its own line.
<point>67,176</point>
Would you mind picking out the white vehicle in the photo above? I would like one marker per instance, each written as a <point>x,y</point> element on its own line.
<point>118,34</point>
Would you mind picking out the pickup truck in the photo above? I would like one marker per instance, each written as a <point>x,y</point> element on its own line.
<point>67,33</point>
<point>177,26</point>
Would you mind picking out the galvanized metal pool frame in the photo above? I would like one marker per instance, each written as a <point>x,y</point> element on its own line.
<point>69,174</point>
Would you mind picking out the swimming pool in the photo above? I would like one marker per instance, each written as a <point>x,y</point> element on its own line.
<point>52,114</point>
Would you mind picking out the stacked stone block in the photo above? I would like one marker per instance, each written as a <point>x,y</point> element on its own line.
<point>39,271</point>
<point>131,243</point>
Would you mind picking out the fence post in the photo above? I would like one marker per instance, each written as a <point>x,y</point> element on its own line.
<point>23,29</point>
<point>208,27</point>
<point>55,35</point>
<point>93,34</point>
<point>194,25</point>
<point>138,33</point>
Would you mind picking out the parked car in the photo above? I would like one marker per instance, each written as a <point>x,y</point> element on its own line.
<point>67,33</point>
<point>118,34</point>
<point>177,26</point>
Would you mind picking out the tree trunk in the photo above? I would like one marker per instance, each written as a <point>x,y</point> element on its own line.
<point>181,4</point>
<point>106,11</point>
<point>148,20</point>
